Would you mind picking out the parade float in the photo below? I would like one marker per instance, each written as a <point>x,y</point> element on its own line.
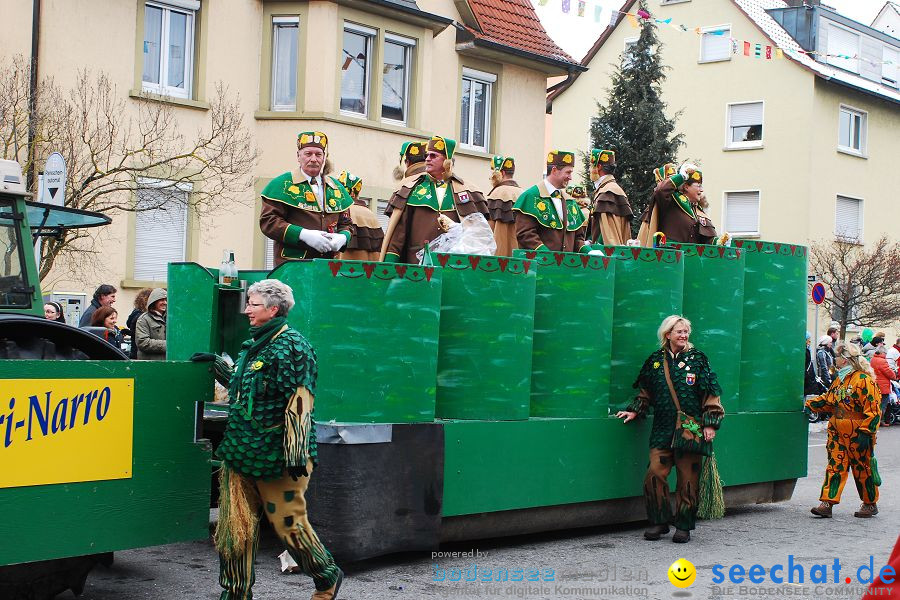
<point>466,398</point>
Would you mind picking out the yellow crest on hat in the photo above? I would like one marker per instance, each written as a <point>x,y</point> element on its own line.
<point>695,175</point>
<point>567,158</point>
<point>414,149</point>
<point>604,157</point>
<point>439,145</point>
<point>304,139</point>
<point>508,164</point>
<point>550,157</point>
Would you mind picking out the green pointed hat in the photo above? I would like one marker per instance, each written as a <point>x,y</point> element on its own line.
<point>604,158</point>
<point>412,152</point>
<point>351,182</point>
<point>503,163</point>
<point>443,145</point>
<point>664,172</point>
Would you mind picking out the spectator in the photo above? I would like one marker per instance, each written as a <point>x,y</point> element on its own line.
<point>140,307</point>
<point>150,329</point>
<point>869,349</point>
<point>105,295</point>
<point>825,359</point>
<point>812,384</point>
<point>53,312</point>
<point>893,354</point>
<point>883,377</point>
<point>106,317</point>
<point>834,333</point>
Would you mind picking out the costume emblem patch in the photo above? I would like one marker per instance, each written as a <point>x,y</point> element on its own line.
<point>690,378</point>
<point>464,197</point>
<point>704,221</point>
<point>681,365</point>
<point>310,197</point>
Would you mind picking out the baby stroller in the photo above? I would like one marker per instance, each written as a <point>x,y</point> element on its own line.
<point>891,414</point>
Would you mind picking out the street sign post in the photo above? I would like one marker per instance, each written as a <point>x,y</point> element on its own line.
<point>818,296</point>
<point>53,190</point>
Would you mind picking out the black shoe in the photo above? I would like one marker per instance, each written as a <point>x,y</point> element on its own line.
<point>682,536</point>
<point>655,532</point>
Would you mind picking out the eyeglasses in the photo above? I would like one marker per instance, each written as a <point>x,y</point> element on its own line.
<point>255,304</point>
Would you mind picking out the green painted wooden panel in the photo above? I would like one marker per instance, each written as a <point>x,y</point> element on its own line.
<point>493,466</point>
<point>572,319</point>
<point>193,311</point>
<point>714,303</point>
<point>649,287</point>
<point>484,354</point>
<point>374,327</point>
<point>165,501</point>
<point>774,326</point>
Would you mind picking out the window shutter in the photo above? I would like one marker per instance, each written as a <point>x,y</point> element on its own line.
<point>159,232</point>
<point>716,47</point>
<point>742,212</point>
<point>841,41</point>
<point>889,72</point>
<point>269,254</point>
<point>745,115</point>
<point>847,218</point>
<point>383,219</point>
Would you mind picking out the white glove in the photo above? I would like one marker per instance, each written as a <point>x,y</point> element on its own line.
<point>338,241</point>
<point>596,253</point>
<point>315,239</point>
<point>687,168</point>
<point>632,243</point>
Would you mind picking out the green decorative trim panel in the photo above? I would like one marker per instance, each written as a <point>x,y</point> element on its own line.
<point>763,247</point>
<point>354,269</point>
<point>568,260</point>
<point>642,254</point>
<point>706,251</point>
<point>485,264</point>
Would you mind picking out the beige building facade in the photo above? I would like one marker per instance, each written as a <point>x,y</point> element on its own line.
<point>370,74</point>
<point>796,149</point>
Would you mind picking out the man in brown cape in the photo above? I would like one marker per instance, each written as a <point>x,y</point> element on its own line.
<point>611,214</point>
<point>305,212</point>
<point>676,209</point>
<point>367,233</point>
<point>422,198</point>
<point>500,201</point>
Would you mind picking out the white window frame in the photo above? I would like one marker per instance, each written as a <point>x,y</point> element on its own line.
<point>862,205</point>
<point>627,43</point>
<point>188,8</point>
<point>490,80</point>
<point>370,35</point>
<point>410,47</point>
<point>150,183</point>
<point>726,27</point>
<point>863,133</point>
<point>851,64</point>
<point>743,234</point>
<point>268,253</point>
<point>744,145</point>
<point>279,23</point>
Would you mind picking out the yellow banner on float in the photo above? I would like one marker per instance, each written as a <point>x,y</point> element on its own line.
<point>65,430</point>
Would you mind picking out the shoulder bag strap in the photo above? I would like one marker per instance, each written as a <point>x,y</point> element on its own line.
<point>669,380</point>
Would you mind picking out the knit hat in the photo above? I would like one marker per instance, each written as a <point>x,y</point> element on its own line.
<point>412,152</point>
<point>560,159</point>
<point>694,177</point>
<point>351,182</point>
<point>825,339</point>
<point>444,146</point>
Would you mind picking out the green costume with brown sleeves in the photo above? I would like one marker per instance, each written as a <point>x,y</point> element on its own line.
<point>699,395</point>
<point>540,227</point>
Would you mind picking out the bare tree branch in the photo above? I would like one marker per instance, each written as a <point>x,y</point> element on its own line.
<point>109,147</point>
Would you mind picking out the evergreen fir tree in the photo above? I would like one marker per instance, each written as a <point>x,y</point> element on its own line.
<point>633,120</point>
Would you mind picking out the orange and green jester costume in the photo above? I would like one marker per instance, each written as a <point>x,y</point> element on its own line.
<point>854,403</point>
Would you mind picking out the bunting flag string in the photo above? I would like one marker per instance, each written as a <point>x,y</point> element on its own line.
<point>746,47</point>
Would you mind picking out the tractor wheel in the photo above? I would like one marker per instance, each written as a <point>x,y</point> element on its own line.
<point>26,337</point>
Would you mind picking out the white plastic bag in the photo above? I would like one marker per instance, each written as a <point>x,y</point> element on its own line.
<point>471,236</point>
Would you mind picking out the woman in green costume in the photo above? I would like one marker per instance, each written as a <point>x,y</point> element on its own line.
<point>269,449</point>
<point>698,393</point>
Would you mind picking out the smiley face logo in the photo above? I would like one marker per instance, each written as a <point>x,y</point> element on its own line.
<point>682,573</point>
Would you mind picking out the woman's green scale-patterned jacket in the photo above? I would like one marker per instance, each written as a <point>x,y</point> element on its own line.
<point>695,383</point>
<point>281,431</point>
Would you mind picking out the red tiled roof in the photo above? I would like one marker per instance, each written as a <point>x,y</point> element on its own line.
<point>514,23</point>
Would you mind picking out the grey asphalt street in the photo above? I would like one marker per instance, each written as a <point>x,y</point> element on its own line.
<point>607,562</point>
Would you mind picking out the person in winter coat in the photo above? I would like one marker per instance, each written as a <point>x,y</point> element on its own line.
<point>812,384</point>
<point>140,307</point>
<point>106,317</point>
<point>150,329</point>
<point>884,375</point>
<point>825,360</point>
<point>105,295</point>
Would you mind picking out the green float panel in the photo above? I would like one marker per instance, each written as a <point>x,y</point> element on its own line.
<point>649,283</point>
<point>374,327</point>
<point>573,313</point>
<point>484,355</point>
<point>164,500</point>
<point>714,303</point>
<point>494,466</point>
<point>774,326</point>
